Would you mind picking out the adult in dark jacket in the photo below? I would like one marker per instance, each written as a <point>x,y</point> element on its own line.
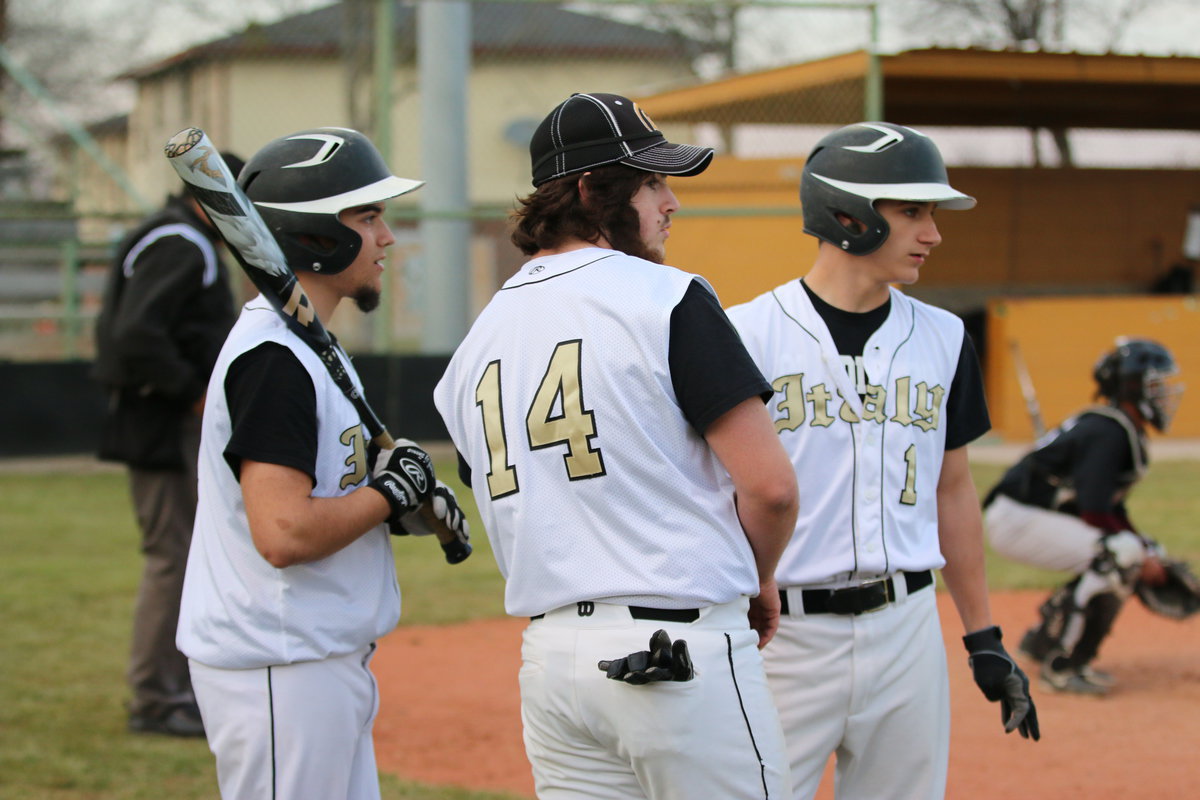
<point>166,311</point>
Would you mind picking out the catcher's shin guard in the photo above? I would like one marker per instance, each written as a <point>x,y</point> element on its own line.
<point>1098,619</point>
<point>1046,637</point>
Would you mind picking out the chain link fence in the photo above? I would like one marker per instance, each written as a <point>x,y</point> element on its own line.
<point>356,64</point>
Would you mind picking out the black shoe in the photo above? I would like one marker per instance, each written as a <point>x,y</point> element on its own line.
<point>178,721</point>
<point>1066,678</point>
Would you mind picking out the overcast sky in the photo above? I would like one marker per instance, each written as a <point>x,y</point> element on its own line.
<point>1169,27</point>
<point>113,35</point>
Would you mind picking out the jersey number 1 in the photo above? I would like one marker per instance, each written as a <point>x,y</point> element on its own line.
<point>556,416</point>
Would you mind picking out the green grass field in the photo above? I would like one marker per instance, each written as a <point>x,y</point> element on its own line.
<point>69,567</point>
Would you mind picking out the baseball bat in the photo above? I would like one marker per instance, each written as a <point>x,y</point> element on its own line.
<point>1027,391</point>
<point>210,181</point>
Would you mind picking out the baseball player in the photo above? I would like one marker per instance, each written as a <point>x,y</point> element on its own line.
<point>1062,507</point>
<point>876,397</point>
<point>290,578</point>
<point>599,404</point>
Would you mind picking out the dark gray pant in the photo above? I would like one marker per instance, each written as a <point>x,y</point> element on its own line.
<point>164,502</point>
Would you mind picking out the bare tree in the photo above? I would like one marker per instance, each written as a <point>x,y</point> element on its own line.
<point>1023,24</point>
<point>1031,25</point>
<point>72,51</point>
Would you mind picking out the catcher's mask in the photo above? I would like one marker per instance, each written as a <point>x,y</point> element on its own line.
<point>851,168</point>
<point>301,182</point>
<point>1144,373</point>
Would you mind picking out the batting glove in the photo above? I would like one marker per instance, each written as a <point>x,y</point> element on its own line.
<point>404,476</point>
<point>999,677</point>
<point>444,505</point>
<point>664,661</point>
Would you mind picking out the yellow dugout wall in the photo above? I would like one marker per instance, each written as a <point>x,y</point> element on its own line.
<point>1060,340</point>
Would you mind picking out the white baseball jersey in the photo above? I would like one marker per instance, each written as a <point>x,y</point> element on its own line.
<point>240,612</point>
<point>867,451</point>
<point>591,483</point>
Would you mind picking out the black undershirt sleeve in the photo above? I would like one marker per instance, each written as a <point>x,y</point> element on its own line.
<point>711,371</point>
<point>464,470</point>
<point>967,415</point>
<point>273,410</point>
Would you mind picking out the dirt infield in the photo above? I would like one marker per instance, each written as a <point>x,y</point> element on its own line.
<point>450,713</point>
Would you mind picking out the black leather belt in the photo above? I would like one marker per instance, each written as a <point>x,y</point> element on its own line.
<point>642,612</point>
<point>665,614</point>
<point>857,599</point>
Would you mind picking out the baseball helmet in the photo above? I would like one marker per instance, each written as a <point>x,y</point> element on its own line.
<point>851,168</point>
<point>1141,372</point>
<point>301,182</point>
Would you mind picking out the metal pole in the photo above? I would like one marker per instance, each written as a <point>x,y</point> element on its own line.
<point>873,101</point>
<point>444,58</point>
<point>70,297</point>
<point>385,31</point>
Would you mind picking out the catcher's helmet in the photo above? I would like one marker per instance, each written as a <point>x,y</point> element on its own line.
<point>851,168</point>
<point>1140,371</point>
<point>301,182</point>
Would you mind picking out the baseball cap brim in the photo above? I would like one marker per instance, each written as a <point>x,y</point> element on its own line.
<point>945,196</point>
<point>384,189</point>
<point>671,159</point>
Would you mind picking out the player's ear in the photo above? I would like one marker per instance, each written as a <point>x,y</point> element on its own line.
<point>581,185</point>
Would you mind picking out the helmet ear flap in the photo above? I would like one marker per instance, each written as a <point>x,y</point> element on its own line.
<point>313,242</point>
<point>822,204</point>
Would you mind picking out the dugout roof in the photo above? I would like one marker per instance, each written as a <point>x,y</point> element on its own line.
<point>955,88</point>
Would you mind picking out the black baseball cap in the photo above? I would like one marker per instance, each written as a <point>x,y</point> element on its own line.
<point>591,130</point>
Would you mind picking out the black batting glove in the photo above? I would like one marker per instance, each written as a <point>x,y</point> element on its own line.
<point>404,476</point>
<point>664,661</point>
<point>999,677</point>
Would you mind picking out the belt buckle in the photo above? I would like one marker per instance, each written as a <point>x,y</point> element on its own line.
<point>839,608</point>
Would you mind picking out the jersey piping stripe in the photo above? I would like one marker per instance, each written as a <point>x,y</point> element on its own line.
<point>762,768</point>
<point>912,327</point>
<point>271,709</point>
<point>557,274</point>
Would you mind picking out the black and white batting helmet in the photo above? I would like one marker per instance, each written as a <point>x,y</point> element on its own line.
<point>1141,372</point>
<point>301,182</point>
<point>851,168</point>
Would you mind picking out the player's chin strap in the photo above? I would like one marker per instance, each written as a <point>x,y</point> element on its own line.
<point>664,661</point>
<point>999,678</point>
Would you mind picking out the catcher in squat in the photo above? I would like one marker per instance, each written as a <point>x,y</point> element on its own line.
<point>1062,507</point>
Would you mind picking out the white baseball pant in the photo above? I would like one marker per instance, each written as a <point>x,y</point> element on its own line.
<point>588,736</point>
<point>872,689</point>
<point>292,731</point>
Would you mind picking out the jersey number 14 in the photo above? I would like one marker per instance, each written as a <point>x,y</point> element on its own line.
<point>556,417</point>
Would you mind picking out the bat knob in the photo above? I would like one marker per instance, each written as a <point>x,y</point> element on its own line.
<point>183,141</point>
<point>456,551</point>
